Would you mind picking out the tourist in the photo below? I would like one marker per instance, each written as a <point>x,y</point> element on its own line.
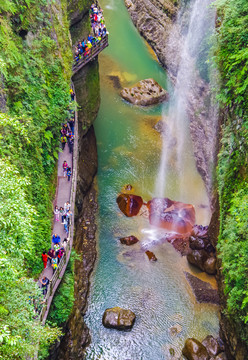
<point>66,227</point>
<point>60,254</point>
<point>67,206</point>
<point>56,239</point>
<point>56,213</point>
<point>65,166</point>
<point>56,248</point>
<point>44,284</point>
<point>61,211</point>
<point>44,259</point>
<point>70,144</point>
<point>69,217</point>
<point>68,173</point>
<point>65,242</point>
<point>54,263</point>
<point>63,140</point>
<point>50,255</point>
<point>72,94</point>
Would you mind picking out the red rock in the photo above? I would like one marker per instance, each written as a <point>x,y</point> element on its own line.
<point>151,256</point>
<point>129,240</point>
<point>171,215</point>
<point>129,204</point>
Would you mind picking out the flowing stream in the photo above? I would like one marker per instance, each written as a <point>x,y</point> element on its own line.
<point>129,151</point>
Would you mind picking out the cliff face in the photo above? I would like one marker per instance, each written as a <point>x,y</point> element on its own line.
<point>156,22</point>
<point>86,83</point>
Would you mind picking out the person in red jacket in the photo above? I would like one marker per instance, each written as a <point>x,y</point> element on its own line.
<point>44,258</point>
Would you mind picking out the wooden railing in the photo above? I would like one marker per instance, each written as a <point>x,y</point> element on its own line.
<point>94,51</point>
<point>59,272</point>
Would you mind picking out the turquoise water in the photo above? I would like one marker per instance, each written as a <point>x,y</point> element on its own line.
<point>129,152</point>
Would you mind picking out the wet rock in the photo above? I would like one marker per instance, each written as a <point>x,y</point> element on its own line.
<point>116,81</point>
<point>194,350</point>
<point>129,240</point>
<point>197,243</point>
<point>151,256</point>
<point>210,266</point>
<point>200,231</point>
<point>171,215</point>
<point>203,291</point>
<point>129,204</point>
<point>212,345</point>
<point>179,242</point>
<point>128,187</point>
<point>145,92</point>
<point>118,318</point>
<point>197,258</point>
<point>176,329</point>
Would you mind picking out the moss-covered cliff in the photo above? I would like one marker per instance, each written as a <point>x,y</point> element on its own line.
<point>232,60</point>
<point>87,89</point>
<point>35,64</point>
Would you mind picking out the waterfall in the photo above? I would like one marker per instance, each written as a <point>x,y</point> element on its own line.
<point>191,35</point>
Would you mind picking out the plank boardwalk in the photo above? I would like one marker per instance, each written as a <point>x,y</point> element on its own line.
<point>66,191</point>
<point>94,51</point>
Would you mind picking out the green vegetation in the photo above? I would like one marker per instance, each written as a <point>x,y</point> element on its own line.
<point>64,298</point>
<point>231,54</point>
<point>35,65</point>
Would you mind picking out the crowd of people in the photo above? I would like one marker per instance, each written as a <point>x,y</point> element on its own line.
<point>83,48</point>
<point>64,215</point>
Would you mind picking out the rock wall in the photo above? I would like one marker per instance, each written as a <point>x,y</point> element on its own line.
<point>87,88</point>
<point>77,9</point>
<point>156,21</point>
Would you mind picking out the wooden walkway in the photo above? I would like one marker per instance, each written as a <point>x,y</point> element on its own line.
<point>94,51</point>
<point>66,191</point>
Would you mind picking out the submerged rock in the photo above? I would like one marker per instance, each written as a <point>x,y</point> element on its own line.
<point>118,318</point>
<point>145,92</point>
<point>171,215</point>
<point>129,240</point>
<point>194,350</point>
<point>203,291</point>
<point>151,256</point>
<point>128,187</point>
<point>129,204</point>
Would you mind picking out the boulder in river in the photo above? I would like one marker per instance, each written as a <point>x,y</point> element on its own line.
<point>171,215</point>
<point>129,204</point>
<point>197,243</point>
<point>212,345</point>
<point>145,92</point>
<point>194,350</point>
<point>129,240</point>
<point>210,265</point>
<point>197,258</point>
<point>151,256</point>
<point>118,318</point>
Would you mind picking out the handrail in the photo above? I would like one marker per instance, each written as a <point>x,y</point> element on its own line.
<point>94,51</point>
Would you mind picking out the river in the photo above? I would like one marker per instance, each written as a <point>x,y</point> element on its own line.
<point>129,151</point>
